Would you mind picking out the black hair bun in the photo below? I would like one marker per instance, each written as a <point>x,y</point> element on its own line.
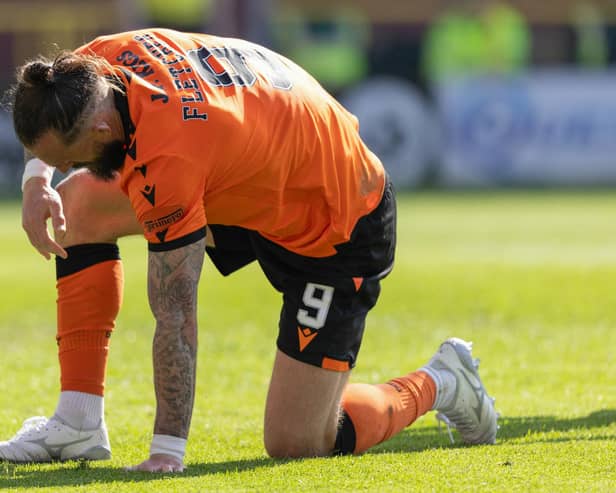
<point>38,73</point>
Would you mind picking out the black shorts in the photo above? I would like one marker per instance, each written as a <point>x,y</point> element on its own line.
<point>325,300</point>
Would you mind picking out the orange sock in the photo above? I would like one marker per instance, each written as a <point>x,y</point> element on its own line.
<point>90,283</point>
<point>375,413</point>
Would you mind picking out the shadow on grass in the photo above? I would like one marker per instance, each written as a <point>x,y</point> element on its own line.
<point>531,428</point>
<point>15,477</point>
<point>411,440</point>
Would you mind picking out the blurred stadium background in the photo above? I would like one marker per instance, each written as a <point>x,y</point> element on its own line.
<point>467,93</point>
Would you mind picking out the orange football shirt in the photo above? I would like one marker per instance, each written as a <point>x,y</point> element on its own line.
<point>229,132</point>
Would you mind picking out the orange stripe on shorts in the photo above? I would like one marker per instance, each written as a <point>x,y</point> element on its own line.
<point>334,364</point>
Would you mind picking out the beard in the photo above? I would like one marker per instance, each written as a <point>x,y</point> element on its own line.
<point>108,162</point>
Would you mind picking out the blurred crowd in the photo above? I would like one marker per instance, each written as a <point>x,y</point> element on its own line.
<point>342,43</point>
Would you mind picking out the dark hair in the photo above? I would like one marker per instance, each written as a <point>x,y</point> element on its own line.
<point>54,94</point>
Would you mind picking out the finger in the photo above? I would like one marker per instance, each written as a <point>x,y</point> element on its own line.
<point>56,249</point>
<point>145,466</point>
<point>50,246</point>
<point>45,254</point>
<point>36,239</point>
<point>169,468</point>
<point>58,220</point>
<point>41,240</point>
<point>163,468</point>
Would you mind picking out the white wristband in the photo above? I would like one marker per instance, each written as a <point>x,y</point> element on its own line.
<point>35,168</point>
<point>168,445</point>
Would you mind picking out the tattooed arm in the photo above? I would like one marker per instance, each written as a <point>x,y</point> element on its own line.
<point>173,277</point>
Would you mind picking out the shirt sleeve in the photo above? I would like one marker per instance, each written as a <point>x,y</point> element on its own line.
<point>167,197</point>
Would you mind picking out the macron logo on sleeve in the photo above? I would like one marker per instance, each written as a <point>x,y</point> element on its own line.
<point>149,193</point>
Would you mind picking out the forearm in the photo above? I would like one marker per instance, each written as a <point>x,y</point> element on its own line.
<point>175,361</point>
<point>172,282</point>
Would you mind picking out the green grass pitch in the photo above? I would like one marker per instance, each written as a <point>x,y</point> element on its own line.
<point>530,277</point>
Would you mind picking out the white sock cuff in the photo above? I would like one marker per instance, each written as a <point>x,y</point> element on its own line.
<point>438,382</point>
<point>80,410</point>
<point>168,445</point>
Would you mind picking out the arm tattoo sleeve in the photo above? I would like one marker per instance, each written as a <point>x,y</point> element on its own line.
<point>173,277</point>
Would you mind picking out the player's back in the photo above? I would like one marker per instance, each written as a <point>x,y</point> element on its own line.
<point>274,151</point>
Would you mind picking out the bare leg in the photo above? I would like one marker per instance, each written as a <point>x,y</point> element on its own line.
<point>96,211</point>
<point>301,413</point>
<point>311,411</point>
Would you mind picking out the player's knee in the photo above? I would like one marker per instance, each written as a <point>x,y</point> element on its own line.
<point>288,448</point>
<point>83,200</point>
<point>76,192</point>
<point>296,445</point>
<point>75,185</point>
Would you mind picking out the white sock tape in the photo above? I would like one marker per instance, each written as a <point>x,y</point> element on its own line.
<point>168,445</point>
<point>35,168</point>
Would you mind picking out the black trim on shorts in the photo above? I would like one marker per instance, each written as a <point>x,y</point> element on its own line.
<point>233,248</point>
<point>83,256</point>
<point>178,242</point>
